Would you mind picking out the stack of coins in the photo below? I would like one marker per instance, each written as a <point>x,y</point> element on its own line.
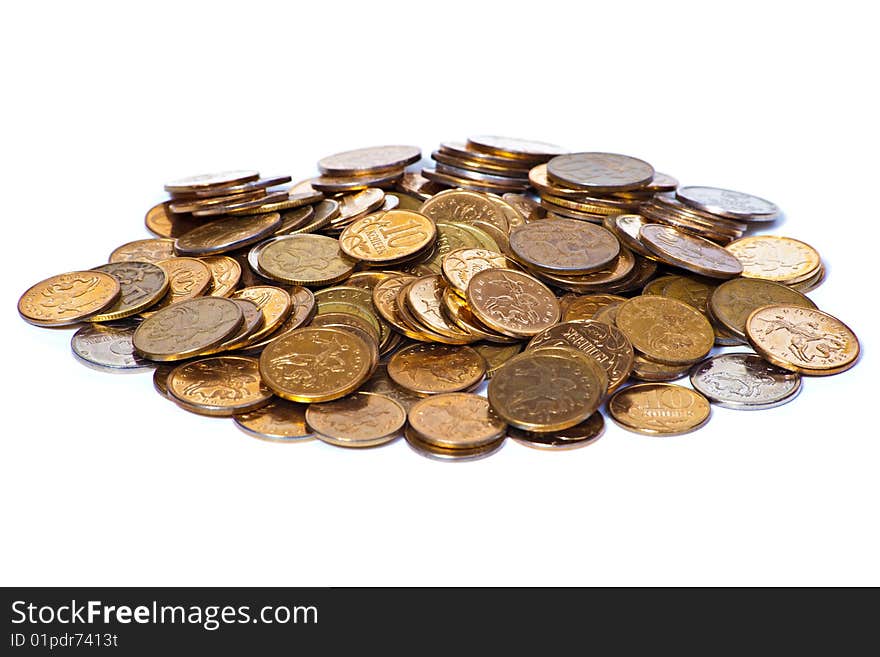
<point>374,166</point>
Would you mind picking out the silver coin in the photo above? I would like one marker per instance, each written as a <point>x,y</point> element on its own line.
<point>600,172</point>
<point>108,347</point>
<point>744,381</point>
<point>728,203</point>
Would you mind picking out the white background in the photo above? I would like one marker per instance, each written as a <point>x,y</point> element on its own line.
<point>103,482</point>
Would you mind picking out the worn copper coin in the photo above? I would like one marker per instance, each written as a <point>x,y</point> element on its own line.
<point>580,435</point>
<point>659,409</point>
<point>456,421</point>
<point>362,419</point>
<point>733,301</point>
<point>227,234</point>
<point>387,236</point>
<point>434,368</point>
<point>775,258</point>
<point>220,386</point>
<point>142,284</point>
<point>666,330</point>
<point>152,250</point>
<point>69,298</point>
<point>512,302</point>
<point>278,421</point>
<point>689,252</point>
<point>565,246</point>
<point>600,172</point>
<point>108,347</point>
<point>744,382</point>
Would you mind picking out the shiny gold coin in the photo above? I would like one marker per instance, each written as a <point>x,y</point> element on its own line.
<point>274,303</point>
<point>423,330</point>
<point>512,302</point>
<point>203,181</point>
<point>342,184</point>
<point>689,252</point>
<point>357,204</point>
<point>458,205</point>
<point>303,187</point>
<point>733,301</point>
<point>539,179</point>
<point>382,384</point>
<point>811,283</point>
<point>252,321</point>
<point>302,310</point>
<point>247,206</point>
<point>645,369</point>
<point>694,291</point>
<point>464,151</point>
<point>496,355</point>
<point>657,285</point>
<point>424,298</point>
<point>434,368</point>
<point>564,246</point>
<point>364,161</point>
<point>406,201</point>
<point>346,320</point>
<point>362,419</point>
<point>69,298</point>
<point>160,377</point>
<point>775,258</point>
<point>187,328</point>
<point>278,421</point>
<point>281,202</point>
<point>242,188</point>
<point>626,228</point>
<point>195,204</point>
<point>160,221</point>
<point>312,260</point>
<point>586,306</point>
<point>142,284</point>
<point>802,340</point>
<point>456,420</point>
<point>188,278</point>
<point>445,454</point>
<point>456,310</point>
<point>227,234</point>
<point>459,266</point>
<point>514,148</point>
<point>152,250</point>
<point>367,280</point>
<point>580,435</point>
<point>385,300</point>
<point>315,364</point>
<point>659,409</point>
<point>325,212</point>
<point>389,236</point>
<point>356,310</point>
<point>293,219</point>
<point>608,314</point>
<point>666,330</point>
<point>225,274</point>
<point>219,386</point>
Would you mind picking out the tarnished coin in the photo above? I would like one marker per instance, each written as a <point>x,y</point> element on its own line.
<point>108,347</point>
<point>689,251</point>
<point>188,278</point>
<point>274,303</point>
<point>605,343</point>
<point>362,419</point>
<point>430,369</point>
<point>586,306</point>
<point>775,258</point>
<point>733,301</point>
<point>580,435</point>
<point>645,369</point>
<point>802,340</point>
<point>341,184</point>
<point>600,172</point>
<point>302,310</point>
<point>514,148</point>
<point>424,298</point>
<point>162,222</point>
<point>220,386</point>
<point>728,203</point>
<point>142,284</point>
<point>666,330</point>
<point>69,298</point>
<point>744,382</point>
<point>312,260</point>
<point>152,250</point>
<point>187,328</point>
<point>368,160</point>
<point>227,234</point>
<point>447,455</point>
<point>280,202</point>
<point>512,302</point>
<point>389,236</point>
<point>566,246</point>
<point>462,206</point>
<point>456,420</point>
<point>202,181</point>
<point>278,421</point>
<point>225,274</point>
<point>315,364</point>
<point>547,389</point>
<point>659,409</point>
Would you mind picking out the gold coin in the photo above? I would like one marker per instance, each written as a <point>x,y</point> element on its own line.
<point>278,421</point>
<point>460,265</point>
<point>341,184</point>
<point>364,161</point>
<point>152,250</point>
<point>160,221</point>
<point>385,296</point>
<point>202,181</point>
<point>626,228</point>
<point>225,274</point>
<point>646,369</point>
<point>468,184</point>
<point>580,435</point>
<point>195,204</point>
<point>586,307</point>
<point>423,329</point>
<point>220,386</point>
<point>424,298</point>
<point>512,302</point>
<point>188,278</point>
<point>315,364</point>
<point>802,340</point>
<point>467,152</point>
<point>458,205</point>
<point>357,204</point>
<point>293,219</point>
<point>274,304</point>
<point>142,284</point>
<point>241,188</point>
<point>666,330</point>
<point>515,148</point>
<point>227,234</point>
<point>608,314</point>
<point>328,300</point>
<point>456,420</point>
<point>388,236</point>
<point>362,419</point>
<point>548,389</point>
<point>251,322</point>
<point>468,163</point>
<point>160,377</point>
<point>434,368</point>
<point>689,252</point>
<point>659,409</point>
<point>456,310</point>
<point>361,312</point>
<point>416,184</point>
<point>539,179</point>
<point>564,246</point>
<point>69,298</point>
<point>382,384</point>
<point>496,355</point>
<point>305,260</point>
<point>346,320</point>
<point>774,258</point>
<point>302,310</point>
<point>600,172</point>
<point>422,448</point>
<point>368,280</point>
<point>620,270</point>
<point>187,328</point>
<point>325,212</point>
<point>692,290</point>
<point>733,301</point>
<point>281,202</point>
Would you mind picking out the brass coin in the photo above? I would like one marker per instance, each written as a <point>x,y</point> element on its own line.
<point>456,420</point>
<point>227,234</point>
<point>645,369</point>
<point>388,236</point>
<point>775,258</point>
<point>659,409</point>
<point>302,310</point>
<point>460,265</point>
<point>202,181</point>
<point>362,419</point>
<point>600,172</point>
<point>346,294</point>
<point>187,328</point>
<point>275,305</point>
<point>108,347</point>
<point>586,307</point>
<point>160,221</point>
<point>811,283</point>
<point>416,184</point>
<point>406,201</point>
<point>382,384</point>
<point>580,435</point>
<point>341,184</point>
<point>325,212</point>
<point>608,314</point>
<point>802,340</point>
<point>496,355</point>
<point>188,278</point>
<point>565,246</point>
<point>142,284</point>
<point>160,377</point>
<point>451,237</point>
<point>278,421</point>
<point>195,204</point>
<point>152,250</point>
<point>512,302</point>
<point>242,188</point>
<point>479,166</point>
<point>251,322</point>
<point>434,368</point>
<point>733,301</point>
<point>666,330</point>
<point>305,260</point>
<point>422,330</point>
<point>539,179</point>
<point>515,148</point>
<point>458,205</point>
<point>220,386</point>
<point>446,454</point>
<point>357,204</point>
<point>293,219</point>
<point>692,290</point>
<point>456,310</point>
<point>626,227</point>
<point>659,284</point>
<point>364,161</point>
<point>315,364</point>
<point>605,343</point>
<point>466,184</point>
<point>282,202</point>
<point>424,298</point>
<point>225,274</point>
<point>355,310</point>
<point>515,182</point>
<point>346,320</point>
<point>547,389</point>
<point>241,206</point>
<point>462,151</point>
<point>368,280</point>
<point>689,252</point>
<point>385,296</point>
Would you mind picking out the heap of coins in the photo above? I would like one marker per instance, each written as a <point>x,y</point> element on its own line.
<point>512,292</point>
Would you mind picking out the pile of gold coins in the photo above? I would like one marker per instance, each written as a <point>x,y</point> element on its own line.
<point>372,302</point>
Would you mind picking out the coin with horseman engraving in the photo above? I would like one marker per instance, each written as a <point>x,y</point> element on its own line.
<point>586,307</point>
<point>626,227</point>
<point>293,219</point>
<point>108,347</point>
<point>278,421</point>
<point>362,419</point>
<point>252,320</point>
<point>460,265</point>
<point>225,274</point>
<point>280,202</point>
<point>69,298</point>
<point>220,386</point>
<point>202,181</point>
<point>659,409</point>
<point>728,203</point>
<point>666,330</point>
<point>744,382</point>
<point>456,420</point>
<point>424,298</point>
<point>693,290</point>
<point>606,344</point>
<point>187,328</point>
<point>142,284</point>
<point>600,172</point>
<point>188,278</point>
<point>242,188</point>
<point>152,250</point>
<point>565,246</point>
<point>429,369</point>
<point>547,389</point>
<point>645,369</point>
<point>363,161</point>
<point>689,252</point>
<point>274,303</point>
<point>515,148</point>
<point>802,340</point>
<point>305,260</point>
<point>160,221</point>
<point>775,258</point>
<point>616,272</point>
<point>733,301</point>
<point>462,206</point>
<point>227,234</point>
<point>315,364</point>
<point>388,236</point>
<point>445,454</point>
<point>302,310</point>
<point>512,302</point>
<point>580,435</point>
<point>456,310</point>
